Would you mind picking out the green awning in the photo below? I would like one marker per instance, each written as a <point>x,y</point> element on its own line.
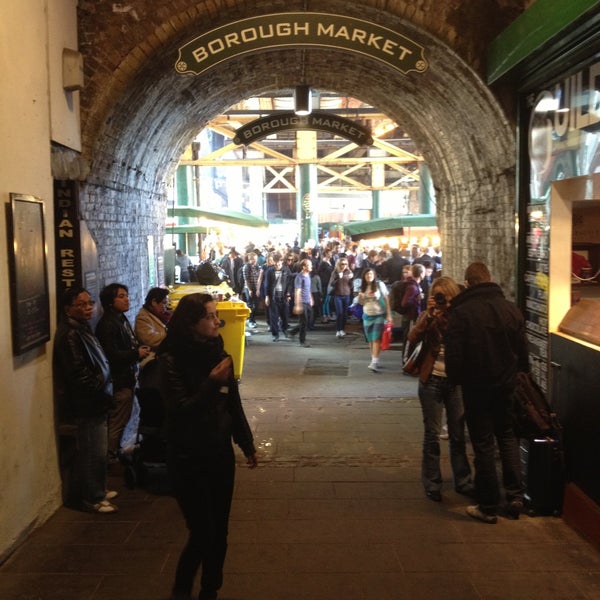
<point>387,226</point>
<point>545,22</point>
<point>224,216</point>
<point>184,229</point>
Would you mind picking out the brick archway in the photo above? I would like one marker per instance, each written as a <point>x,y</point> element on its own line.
<point>138,115</point>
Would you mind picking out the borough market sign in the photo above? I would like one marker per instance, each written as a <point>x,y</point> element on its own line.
<point>324,121</point>
<point>300,29</point>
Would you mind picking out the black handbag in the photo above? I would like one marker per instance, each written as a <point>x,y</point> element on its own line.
<point>414,359</point>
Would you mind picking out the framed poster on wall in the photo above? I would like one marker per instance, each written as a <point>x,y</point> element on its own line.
<point>28,272</point>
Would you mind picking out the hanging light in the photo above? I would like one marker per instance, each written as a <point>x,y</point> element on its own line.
<point>302,100</point>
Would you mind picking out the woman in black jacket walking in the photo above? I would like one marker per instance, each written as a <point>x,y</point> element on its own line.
<point>204,414</point>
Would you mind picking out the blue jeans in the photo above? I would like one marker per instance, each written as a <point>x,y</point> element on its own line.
<point>252,302</point>
<point>341,311</point>
<point>92,442</point>
<point>488,414</point>
<point>278,311</point>
<point>304,320</point>
<point>435,395</point>
<point>327,306</point>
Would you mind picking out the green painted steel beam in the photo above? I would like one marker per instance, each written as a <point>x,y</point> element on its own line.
<point>539,25</point>
<point>390,224</point>
<point>225,216</point>
<point>185,229</point>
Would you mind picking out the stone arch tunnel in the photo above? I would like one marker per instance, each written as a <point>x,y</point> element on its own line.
<point>138,113</point>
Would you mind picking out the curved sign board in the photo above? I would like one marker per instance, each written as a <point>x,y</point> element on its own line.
<point>297,30</point>
<point>323,121</point>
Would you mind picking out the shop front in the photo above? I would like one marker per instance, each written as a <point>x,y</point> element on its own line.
<point>558,82</point>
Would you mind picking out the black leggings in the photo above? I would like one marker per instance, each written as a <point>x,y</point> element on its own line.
<point>203,488</point>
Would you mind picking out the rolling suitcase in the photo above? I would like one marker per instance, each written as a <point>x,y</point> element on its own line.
<point>541,449</point>
<point>542,463</point>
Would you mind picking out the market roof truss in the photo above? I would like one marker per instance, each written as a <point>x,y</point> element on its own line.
<point>342,170</point>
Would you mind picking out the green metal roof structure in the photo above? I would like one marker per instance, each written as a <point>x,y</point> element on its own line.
<point>387,226</point>
<point>225,216</point>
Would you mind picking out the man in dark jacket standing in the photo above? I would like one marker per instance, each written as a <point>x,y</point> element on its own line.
<point>486,346</point>
<point>278,282</point>
<point>84,393</point>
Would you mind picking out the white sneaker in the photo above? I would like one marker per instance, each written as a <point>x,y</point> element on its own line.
<point>102,507</point>
<point>374,367</point>
<point>342,333</point>
<point>111,494</point>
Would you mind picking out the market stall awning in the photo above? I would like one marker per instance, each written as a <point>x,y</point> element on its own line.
<point>184,229</point>
<point>387,226</point>
<point>224,216</point>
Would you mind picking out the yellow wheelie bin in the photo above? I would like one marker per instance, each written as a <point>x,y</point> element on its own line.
<point>233,317</point>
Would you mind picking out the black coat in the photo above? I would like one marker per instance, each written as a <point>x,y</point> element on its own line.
<point>234,272</point>
<point>203,415</point>
<point>120,346</point>
<point>81,372</point>
<point>287,281</point>
<point>485,341</point>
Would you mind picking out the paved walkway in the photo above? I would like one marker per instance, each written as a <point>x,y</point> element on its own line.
<point>335,511</point>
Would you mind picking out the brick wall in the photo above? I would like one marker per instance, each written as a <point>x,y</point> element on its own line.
<point>138,113</point>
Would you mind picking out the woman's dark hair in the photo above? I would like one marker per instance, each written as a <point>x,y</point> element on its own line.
<point>191,308</point>
<point>157,294</point>
<point>109,293</point>
<point>365,285</point>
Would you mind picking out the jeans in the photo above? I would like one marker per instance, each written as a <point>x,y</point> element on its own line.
<point>92,442</point>
<point>435,395</point>
<point>327,306</point>
<point>488,415</point>
<point>118,417</point>
<point>278,310</point>
<point>341,311</point>
<point>252,302</point>
<point>304,319</point>
<point>204,489</point>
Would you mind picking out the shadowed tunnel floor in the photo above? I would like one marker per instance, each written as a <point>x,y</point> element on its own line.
<point>335,511</point>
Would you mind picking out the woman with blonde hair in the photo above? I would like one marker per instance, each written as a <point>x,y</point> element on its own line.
<point>437,393</point>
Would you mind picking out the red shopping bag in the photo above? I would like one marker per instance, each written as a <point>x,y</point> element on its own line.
<point>386,336</point>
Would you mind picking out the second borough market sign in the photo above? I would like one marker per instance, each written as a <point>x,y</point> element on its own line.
<point>300,29</point>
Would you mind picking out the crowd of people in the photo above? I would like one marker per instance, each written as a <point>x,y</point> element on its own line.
<point>472,344</point>
<point>267,278</point>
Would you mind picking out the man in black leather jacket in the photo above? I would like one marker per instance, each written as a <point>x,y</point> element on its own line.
<point>84,394</point>
<point>486,346</point>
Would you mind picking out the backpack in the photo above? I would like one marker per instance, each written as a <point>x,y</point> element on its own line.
<point>396,294</point>
<point>532,414</point>
<point>206,274</point>
<point>238,283</point>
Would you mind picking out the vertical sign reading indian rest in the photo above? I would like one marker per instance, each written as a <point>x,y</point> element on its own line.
<point>67,235</point>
